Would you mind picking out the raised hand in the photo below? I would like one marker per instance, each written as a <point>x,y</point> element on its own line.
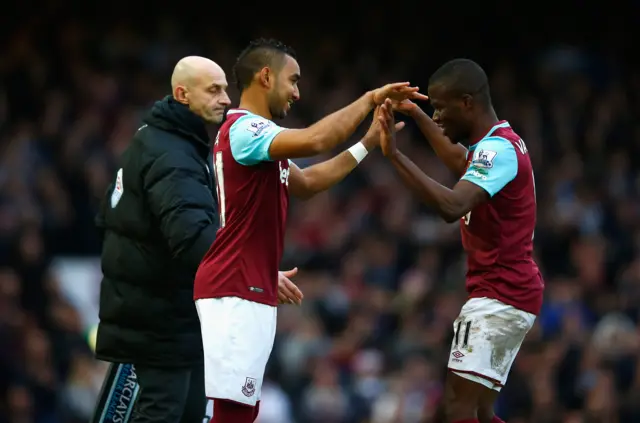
<point>397,91</point>
<point>387,129</point>
<point>406,107</point>
<point>372,138</point>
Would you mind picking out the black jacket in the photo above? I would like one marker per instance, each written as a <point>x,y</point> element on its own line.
<point>157,225</point>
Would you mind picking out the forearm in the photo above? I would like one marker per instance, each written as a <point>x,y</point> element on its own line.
<point>453,155</point>
<point>337,127</point>
<point>430,192</point>
<point>324,175</point>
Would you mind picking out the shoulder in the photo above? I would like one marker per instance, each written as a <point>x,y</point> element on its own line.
<point>156,144</point>
<point>250,126</point>
<point>154,141</point>
<point>492,150</point>
<point>149,133</point>
<point>172,163</point>
<point>250,138</point>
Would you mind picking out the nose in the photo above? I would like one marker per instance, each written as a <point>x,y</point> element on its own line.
<point>296,94</point>
<point>225,100</point>
<point>436,117</point>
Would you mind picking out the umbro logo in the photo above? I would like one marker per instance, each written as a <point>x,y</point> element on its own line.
<point>457,354</point>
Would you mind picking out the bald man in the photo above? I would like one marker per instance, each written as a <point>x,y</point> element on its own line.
<point>200,84</point>
<point>159,217</point>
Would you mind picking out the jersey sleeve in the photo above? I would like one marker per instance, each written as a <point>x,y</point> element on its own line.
<point>494,164</point>
<point>250,138</point>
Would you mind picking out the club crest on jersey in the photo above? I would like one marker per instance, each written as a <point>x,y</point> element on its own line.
<point>483,159</point>
<point>249,387</point>
<point>258,126</point>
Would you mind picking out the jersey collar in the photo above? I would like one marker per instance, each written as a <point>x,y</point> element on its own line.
<point>499,124</point>
<point>237,112</point>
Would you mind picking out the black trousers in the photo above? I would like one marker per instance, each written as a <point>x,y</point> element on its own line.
<point>170,395</point>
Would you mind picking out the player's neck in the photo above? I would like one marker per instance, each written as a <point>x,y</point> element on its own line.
<point>487,121</point>
<point>255,103</point>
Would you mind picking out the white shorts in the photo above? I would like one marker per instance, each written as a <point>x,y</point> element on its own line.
<point>487,337</point>
<point>237,338</point>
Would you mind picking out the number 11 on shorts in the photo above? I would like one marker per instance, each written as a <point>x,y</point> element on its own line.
<point>461,340</point>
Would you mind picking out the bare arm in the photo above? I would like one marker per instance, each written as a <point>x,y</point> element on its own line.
<point>453,155</point>
<point>451,204</point>
<point>323,135</point>
<point>336,128</point>
<point>305,183</point>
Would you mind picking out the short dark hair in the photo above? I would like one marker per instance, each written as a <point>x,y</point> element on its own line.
<point>463,76</point>
<point>258,54</point>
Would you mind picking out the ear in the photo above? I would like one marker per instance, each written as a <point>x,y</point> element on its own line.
<point>467,100</point>
<point>181,94</point>
<point>266,77</point>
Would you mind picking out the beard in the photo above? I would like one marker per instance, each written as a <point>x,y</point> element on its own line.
<point>277,108</point>
<point>277,112</point>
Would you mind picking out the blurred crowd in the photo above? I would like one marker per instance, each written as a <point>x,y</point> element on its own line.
<point>383,276</point>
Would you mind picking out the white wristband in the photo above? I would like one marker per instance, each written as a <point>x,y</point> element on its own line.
<point>358,151</point>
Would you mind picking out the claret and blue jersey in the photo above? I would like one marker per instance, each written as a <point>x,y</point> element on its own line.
<point>498,234</point>
<point>253,200</point>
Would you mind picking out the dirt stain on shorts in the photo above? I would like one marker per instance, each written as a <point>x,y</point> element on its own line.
<point>505,334</point>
